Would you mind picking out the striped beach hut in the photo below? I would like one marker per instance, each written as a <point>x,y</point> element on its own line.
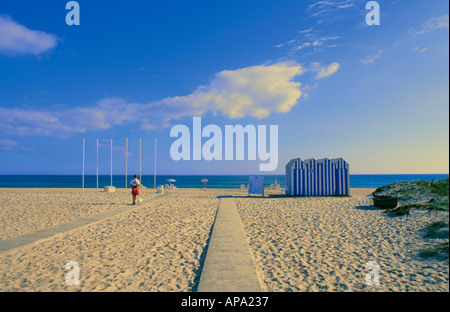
<point>321,177</point>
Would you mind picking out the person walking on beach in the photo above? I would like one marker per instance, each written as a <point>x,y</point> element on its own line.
<point>135,188</point>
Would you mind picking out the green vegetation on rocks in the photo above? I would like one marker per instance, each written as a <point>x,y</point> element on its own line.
<point>431,195</point>
<point>421,194</point>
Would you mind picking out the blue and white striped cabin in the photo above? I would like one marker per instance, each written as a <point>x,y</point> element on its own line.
<point>321,177</point>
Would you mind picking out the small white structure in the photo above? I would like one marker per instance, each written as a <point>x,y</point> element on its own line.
<point>110,189</point>
<point>322,177</point>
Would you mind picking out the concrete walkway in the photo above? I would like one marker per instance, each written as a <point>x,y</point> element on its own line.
<point>29,238</point>
<point>228,265</point>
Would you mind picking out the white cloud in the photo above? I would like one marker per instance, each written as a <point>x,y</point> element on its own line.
<point>372,58</point>
<point>252,91</point>
<point>305,31</point>
<point>7,145</point>
<point>16,39</point>
<point>255,91</point>
<point>303,45</point>
<point>420,50</point>
<point>328,7</point>
<point>104,115</point>
<point>327,71</point>
<point>334,45</point>
<point>308,39</point>
<point>433,24</point>
<point>307,87</point>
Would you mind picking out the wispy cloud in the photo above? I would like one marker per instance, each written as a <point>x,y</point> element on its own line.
<point>328,7</point>
<point>305,88</point>
<point>25,122</point>
<point>433,24</point>
<point>256,91</point>
<point>372,58</point>
<point>324,71</point>
<point>310,40</point>
<point>305,31</point>
<point>7,145</point>
<point>16,39</point>
<point>420,50</point>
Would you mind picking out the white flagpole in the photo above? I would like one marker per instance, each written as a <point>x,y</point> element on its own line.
<point>97,163</point>
<point>111,163</point>
<point>83,167</point>
<point>126,164</point>
<point>154,179</point>
<point>140,172</point>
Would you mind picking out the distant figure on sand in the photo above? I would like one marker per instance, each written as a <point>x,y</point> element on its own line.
<point>135,188</point>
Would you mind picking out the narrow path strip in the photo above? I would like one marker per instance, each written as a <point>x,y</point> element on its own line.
<point>228,264</point>
<point>29,238</point>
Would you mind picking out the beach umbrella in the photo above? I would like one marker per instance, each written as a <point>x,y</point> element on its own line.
<point>171,180</point>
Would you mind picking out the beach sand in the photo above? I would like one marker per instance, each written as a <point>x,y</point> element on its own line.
<point>297,244</point>
<point>324,244</point>
<point>153,247</point>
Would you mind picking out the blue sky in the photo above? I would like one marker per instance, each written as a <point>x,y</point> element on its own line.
<point>375,95</point>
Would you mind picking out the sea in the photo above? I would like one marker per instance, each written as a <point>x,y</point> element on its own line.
<point>193,181</point>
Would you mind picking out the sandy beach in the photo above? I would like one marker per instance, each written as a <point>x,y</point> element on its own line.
<point>297,244</point>
<point>324,244</point>
<point>150,248</point>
